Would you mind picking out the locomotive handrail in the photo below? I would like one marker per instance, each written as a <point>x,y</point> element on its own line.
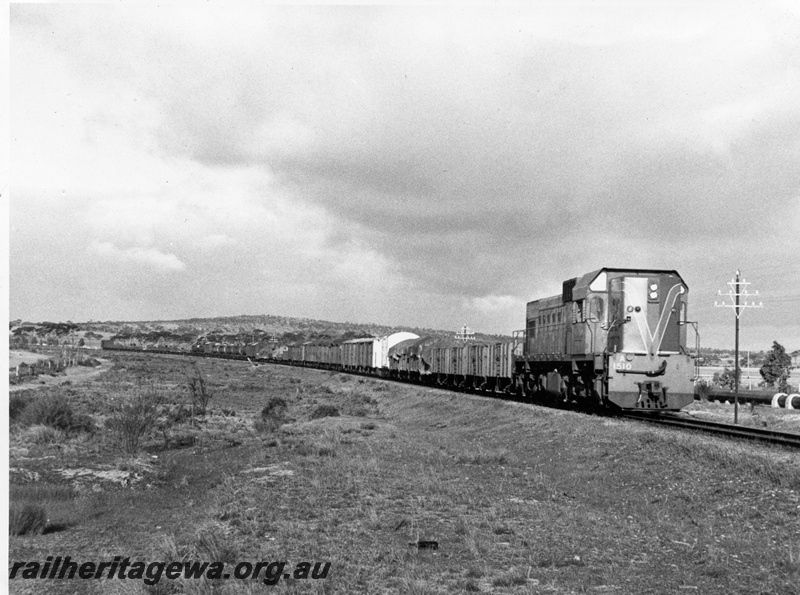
<point>649,373</point>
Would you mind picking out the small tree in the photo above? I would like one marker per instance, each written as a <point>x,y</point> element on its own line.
<point>776,367</point>
<point>133,418</point>
<point>727,379</point>
<point>273,415</point>
<point>199,393</point>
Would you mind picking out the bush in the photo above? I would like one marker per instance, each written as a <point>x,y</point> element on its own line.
<point>16,405</point>
<point>199,392</point>
<point>132,419</point>
<point>325,411</point>
<point>55,411</point>
<point>27,519</point>
<point>41,434</point>
<point>727,379</point>
<point>273,415</point>
<point>360,405</point>
<point>178,414</point>
<point>215,547</point>
<point>315,449</point>
<point>703,390</point>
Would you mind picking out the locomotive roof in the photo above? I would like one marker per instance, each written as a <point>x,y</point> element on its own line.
<point>582,283</point>
<point>586,280</point>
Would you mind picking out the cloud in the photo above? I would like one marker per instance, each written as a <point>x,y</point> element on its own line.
<point>218,240</point>
<point>472,157</point>
<point>150,257</point>
<point>493,303</point>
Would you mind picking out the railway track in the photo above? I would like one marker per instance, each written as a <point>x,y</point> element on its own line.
<point>719,429</point>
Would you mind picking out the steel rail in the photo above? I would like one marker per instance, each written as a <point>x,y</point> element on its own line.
<point>717,428</point>
<point>720,429</point>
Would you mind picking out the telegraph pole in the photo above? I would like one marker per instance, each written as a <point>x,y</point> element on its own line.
<point>737,291</point>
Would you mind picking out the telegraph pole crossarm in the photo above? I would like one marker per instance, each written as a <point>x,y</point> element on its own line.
<point>739,301</point>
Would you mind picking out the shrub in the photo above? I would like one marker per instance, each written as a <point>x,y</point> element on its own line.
<point>132,419</point>
<point>41,434</point>
<point>360,405</point>
<point>27,519</point>
<point>16,405</point>
<point>727,379</point>
<point>178,414</point>
<point>55,411</point>
<point>325,411</point>
<point>273,415</point>
<point>199,392</point>
<point>316,449</point>
<point>703,390</point>
<point>215,546</point>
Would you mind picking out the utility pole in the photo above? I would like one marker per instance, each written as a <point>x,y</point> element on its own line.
<point>465,334</point>
<point>737,291</point>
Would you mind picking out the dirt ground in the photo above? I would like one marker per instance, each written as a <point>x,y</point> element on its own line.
<point>16,358</point>
<point>74,375</point>
<point>761,416</point>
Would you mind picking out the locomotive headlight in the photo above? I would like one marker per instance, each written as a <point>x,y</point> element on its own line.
<point>653,295</point>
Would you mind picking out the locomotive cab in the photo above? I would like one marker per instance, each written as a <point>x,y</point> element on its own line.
<point>649,367</point>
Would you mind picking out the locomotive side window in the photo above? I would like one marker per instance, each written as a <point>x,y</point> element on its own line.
<point>597,308</point>
<point>577,312</point>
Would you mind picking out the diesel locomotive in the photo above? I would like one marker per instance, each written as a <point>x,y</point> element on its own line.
<point>614,337</point>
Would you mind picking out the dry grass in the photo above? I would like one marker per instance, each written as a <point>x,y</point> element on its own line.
<point>26,519</point>
<point>519,499</point>
<point>42,434</point>
<point>42,507</point>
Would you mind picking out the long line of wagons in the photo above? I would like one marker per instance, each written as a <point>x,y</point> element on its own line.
<point>485,366</point>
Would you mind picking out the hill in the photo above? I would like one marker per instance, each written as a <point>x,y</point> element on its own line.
<point>244,328</point>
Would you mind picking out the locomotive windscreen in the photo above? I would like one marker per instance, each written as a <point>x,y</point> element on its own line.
<point>645,314</point>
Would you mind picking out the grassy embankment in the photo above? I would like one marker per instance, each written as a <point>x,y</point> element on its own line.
<point>519,499</point>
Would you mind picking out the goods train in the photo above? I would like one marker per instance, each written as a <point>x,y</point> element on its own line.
<point>613,338</point>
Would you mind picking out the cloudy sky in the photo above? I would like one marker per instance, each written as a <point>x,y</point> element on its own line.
<point>421,166</point>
